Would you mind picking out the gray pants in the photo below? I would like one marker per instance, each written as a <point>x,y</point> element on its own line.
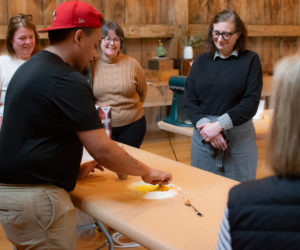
<point>238,162</point>
<point>38,217</point>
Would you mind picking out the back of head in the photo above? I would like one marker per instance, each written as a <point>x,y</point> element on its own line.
<point>284,138</point>
<point>72,15</point>
<point>228,16</point>
<point>16,22</point>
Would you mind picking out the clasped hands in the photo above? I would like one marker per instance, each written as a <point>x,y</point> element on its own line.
<point>211,132</point>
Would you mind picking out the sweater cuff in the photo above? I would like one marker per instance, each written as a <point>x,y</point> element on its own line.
<point>202,121</point>
<point>225,121</point>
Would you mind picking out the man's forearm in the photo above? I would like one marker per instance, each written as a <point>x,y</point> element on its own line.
<point>110,155</point>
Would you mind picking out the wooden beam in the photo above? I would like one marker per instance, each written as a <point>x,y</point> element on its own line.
<point>257,30</point>
<point>168,31</point>
<point>131,31</point>
<point>274,30</point>
<point>148,31</point>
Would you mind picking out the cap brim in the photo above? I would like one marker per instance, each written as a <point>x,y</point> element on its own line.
<point>56,28</point>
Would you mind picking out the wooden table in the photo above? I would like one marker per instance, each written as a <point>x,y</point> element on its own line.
<point>158,224</point>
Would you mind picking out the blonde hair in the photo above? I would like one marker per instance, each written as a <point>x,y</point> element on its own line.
<point>283,153</point>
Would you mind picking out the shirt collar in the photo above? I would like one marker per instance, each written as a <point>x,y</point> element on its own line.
<point>217,54</point>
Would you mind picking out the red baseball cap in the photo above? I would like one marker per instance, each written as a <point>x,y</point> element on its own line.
<point>73,14</point>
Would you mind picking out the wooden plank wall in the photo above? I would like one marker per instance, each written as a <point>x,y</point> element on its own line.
<point>135,12</point>
<point>268,14</point>
<point>274,25</point>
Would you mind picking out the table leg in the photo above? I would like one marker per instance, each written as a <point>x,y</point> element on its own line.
<point>107,235</point>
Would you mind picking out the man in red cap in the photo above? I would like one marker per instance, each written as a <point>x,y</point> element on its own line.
<point>49,115</point>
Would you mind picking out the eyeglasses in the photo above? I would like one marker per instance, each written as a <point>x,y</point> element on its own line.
<point>225,35</point>
<point>19,18</point>
<point>108,39</point>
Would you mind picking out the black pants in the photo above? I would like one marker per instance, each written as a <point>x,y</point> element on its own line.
<point>131,134</point>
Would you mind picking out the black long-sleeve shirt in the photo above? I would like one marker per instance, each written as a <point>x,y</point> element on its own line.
<point>219,86</point>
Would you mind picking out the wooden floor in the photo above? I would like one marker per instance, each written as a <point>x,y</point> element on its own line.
<point>166,144</point>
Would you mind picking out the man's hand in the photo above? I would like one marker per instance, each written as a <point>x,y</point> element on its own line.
<point>109,154</point>
<point>210,130</point>
<point>88,167</point>
<point>154,176</point>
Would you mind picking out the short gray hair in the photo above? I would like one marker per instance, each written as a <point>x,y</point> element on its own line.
<point>109,25</point>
